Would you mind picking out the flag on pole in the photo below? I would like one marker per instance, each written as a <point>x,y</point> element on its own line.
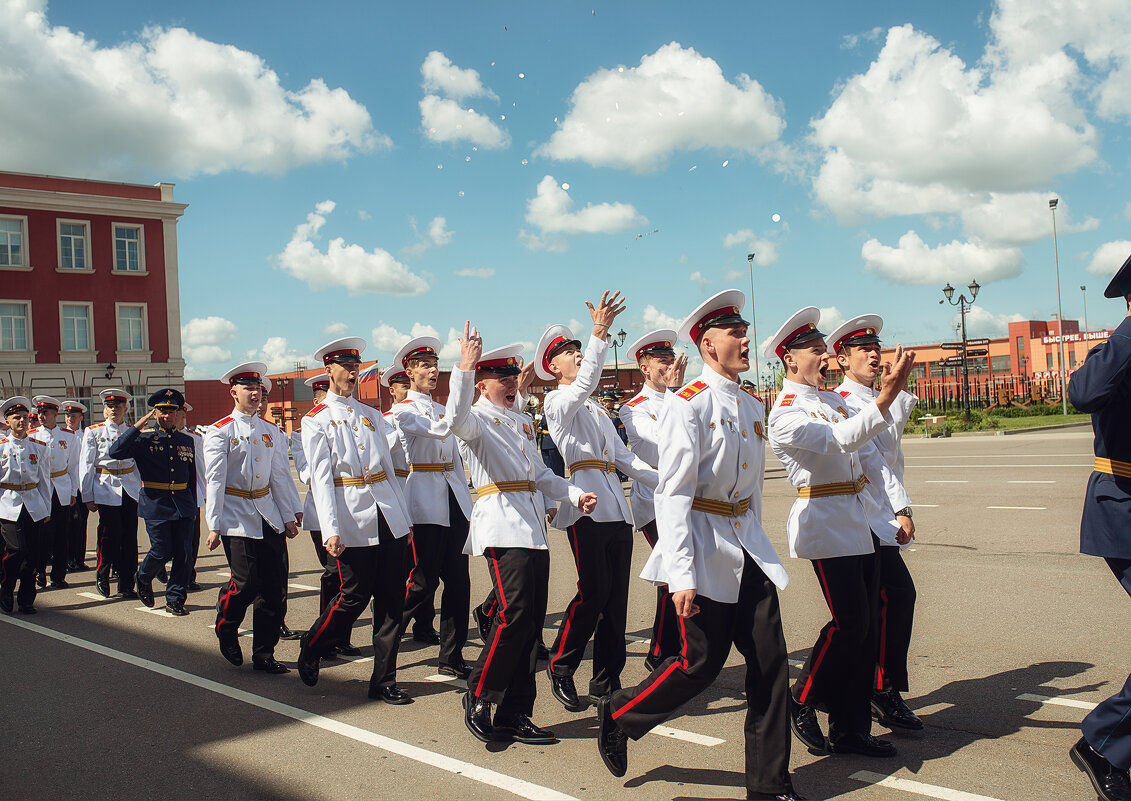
<point>371,373</point>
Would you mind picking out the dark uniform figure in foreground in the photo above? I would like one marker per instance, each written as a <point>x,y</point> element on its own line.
<point>1102,387</point>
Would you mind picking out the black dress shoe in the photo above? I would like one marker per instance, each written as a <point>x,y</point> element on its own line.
<point>543,652</point>
<point>7,603</point>
<point>28,610</point>
<point>59,584</point>
<point>519,728</point>
<point>163,575</point>
<point>483,621</point>
<point>611,741</point>
<point>145,593</point>
<point>1110,783</point>
<point>806,727</point>
<point>41,579</point>
<point>785,795</point>
<point>426,637</point>
<point>477,718</point>
<point>269,664</point>
<point>230,649</point>
<point>288,634</point>
<point>126,595</point>
<point>102,586</point>
<point>176,609</point>
<point>348,650</point>
<point>307,664</point>
<point>194,586</point>
<point>856,743</point>
<point>889,709</point>
<point>390,694</point>
<point>562,688</point>
<point>330,656</point>
<point>459,670</point>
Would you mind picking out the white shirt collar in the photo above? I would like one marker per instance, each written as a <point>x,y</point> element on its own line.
<point>418,396</point>
<point>332,397</point>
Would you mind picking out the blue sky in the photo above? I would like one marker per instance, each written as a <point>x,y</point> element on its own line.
<point>380,169</point>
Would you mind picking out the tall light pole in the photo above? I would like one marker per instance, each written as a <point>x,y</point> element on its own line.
<point>1059,313</point>
<point>963,304</point>
<point>617,341</point>
<point>753,325</point>
<point>1084,292</point>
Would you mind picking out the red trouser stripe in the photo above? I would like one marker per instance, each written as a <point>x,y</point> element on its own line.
<point>670,669</point>
<point>415,562</point>
<point>223,603</point>
<point>98,545</point>
<point>502,624</point>
<point>883,637</point>
<point>663,613</point>
<point>333,609</point>
<point>573,606</point>
<point>828,635</point>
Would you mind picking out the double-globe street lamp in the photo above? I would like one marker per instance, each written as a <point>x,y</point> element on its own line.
<point>963,304</point>
<point>617,341</point>
<point>1059,314</point>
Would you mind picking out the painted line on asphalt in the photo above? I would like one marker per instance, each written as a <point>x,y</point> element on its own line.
<point>157,610</point>
<point>1030,508</point>
<point>1031,482</point>
<point>240,632</point>
<point>919,788</point>
<point>440,677</point>
<point>1052,699</point>
<point>303,587</point>
<point>501,781</point>
<point>635,638</point>
<point>93,596</point>
<point>687,736</point>
<point>943,481</point>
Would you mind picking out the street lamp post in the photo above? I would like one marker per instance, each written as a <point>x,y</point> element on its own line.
<point>753,322</point>
<point>1059,313</point>
<point>1084,292</point>
<point>617,341</point>
<point>963,304</point>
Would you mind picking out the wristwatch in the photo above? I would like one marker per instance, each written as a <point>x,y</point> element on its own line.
<point>904,512</point>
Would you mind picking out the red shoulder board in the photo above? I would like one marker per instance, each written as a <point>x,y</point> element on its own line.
<point>692,389</point>
<point>39,441</point>
<point>316,410</point>
<point>637,400</point>
<point>386,414</point>
<point>844,393</point>
<point>406,400</point>
<point>2,441</point>
<point>32,431</point>
<point>223,422</point>
<point>787,400</point>
<point>98,425</point>
<point>68,430</point>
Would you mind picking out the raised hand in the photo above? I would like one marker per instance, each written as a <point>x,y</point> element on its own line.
<point>470,347</point>
<point>672,375</point>
<point>605,312</point>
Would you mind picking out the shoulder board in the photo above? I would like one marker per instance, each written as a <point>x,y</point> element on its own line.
<point>37,441</point>
<point>844,393</point>
<point>32,431</point>
<point>2,441</point>
<point>406,400</point>
<point>636,400</point>
<point>787,400</point>
<point>692,389</point>
<point>223,422</point>
<point>387,414</point>
<point>96,425</point>
<point>316,410</point>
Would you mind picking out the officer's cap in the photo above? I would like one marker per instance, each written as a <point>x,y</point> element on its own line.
<point>115,395</point>
<point>416,348</point>
<point>266,385</point>
<point>346,350</point>
<point>720,311</point>
<point>501,362</point>
<point>16,405</point>
<point>655,343</point>
<point>46,401</point>
<point>862,330</point>
<point>249,374</point>
<point>394,375</point>
<point>1120,286</point>
<point>320,381</point>
<point>556,339</point>
<point>166,400</point>
<point>70,406</point>
<point>796,331</point>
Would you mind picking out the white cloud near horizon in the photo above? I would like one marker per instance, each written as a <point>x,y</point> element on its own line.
<point>335,329</point>
<point>1109,257</point>
<point>551,212</point>
<point>437,235</point>
<point>279,357</point>
<point>765,251</point>
<point>980,322</point>
<point>475,272</point>
<point>654,318</point>
<point>204,338</point>
<point>915,263</point>
<point>1019,218</point>
<point>443,77</point>
<point>443,119</point>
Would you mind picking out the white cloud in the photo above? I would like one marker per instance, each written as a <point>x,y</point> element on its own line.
<point>437,235</point>
<point>851,41</point>
<point>475,272</point>
<point>765,251</point>
<point>388,339</point>
<point>1108,258</point>
<point>983,323</point>
<point>342,265</point>
<point>1019,218</point>
<point>278,355</point>
<point>831,319</point>
<point>194,373</point>
<point>1127,212</point>
<point>363,215</point>
<point>550,211</point>
<point>335,329</point>
<point>444,120</point>
<point>699,280</point>
<point>441,76</point>
<point>166,101</point>
<point>203,339</point>
<point>676,99</point>
<point>654,318</point>
<point>207,354</point>
<point>914,263</point>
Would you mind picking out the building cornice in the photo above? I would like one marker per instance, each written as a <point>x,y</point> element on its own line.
<point>71,203</point>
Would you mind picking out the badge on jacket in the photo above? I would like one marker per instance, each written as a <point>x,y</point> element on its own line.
<point>365,421</point>
<point>267,440</point>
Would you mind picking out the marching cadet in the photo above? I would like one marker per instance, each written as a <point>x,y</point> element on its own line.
<point>715,558</point>
<point>166,461</point>
<point>1101,386</point>
<point>829,456</point>
<point>396,380</point>
<point>25,504</point>
<point>655,356</point>
<point>285,633</point>
<point>252,508</point>
<point>508,527</point>
<point>111,487</point>
<point>74,412</point>
<point>63,461</point>
<point>364,521</point>
<point>856,347</point>
<point>601,540</point>
<point>439,505</point>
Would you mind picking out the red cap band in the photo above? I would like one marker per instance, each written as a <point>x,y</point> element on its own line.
<point>509,361</point>
<point>859,333</point>
<point>329,357</point>
<point>235,378</point>
<point>424,351</point>
<point>704,322</point>
<point>659,343</point>
<point>784,346</point>
<point>549,349</point>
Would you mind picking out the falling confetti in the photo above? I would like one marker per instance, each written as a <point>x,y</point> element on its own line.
<point>522,75</point>
<point>776,217</point>
<point>439,166</point>
<point>492,63</point>
<point>502,116</point>
<point>461,193</point>
<point>467,158</point>
<point>525,162</point>
<point>726,162</point>
<point>565,187</point>
<point>476,148</point>
<point>693,169</point>
<point>620,69</point>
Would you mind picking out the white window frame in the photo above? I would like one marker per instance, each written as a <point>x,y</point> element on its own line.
<point>114,226</point>
<point>28,354</point>
<point>89,352</point>
<point>89,265</point>
<point>26,266</point>
<point>123,355</point>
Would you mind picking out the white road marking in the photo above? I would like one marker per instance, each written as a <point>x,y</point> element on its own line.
<point>941,481</point>
<point>634,638</point>
<point>1030,508</point>
<point>440,677</point>
<point>501,781</point>
<point>95,596</point>
<point>1052,699</point>
<point>242,632</point>
<point>924,506</point>
<point>157,610</point>
<point>303,587</point>
<point>687,736</point>
<point>919,788</point>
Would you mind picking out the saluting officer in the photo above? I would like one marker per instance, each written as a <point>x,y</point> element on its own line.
<point>1101,386</point>
<point>74,412</point>
<point>111,487</point>
<point>364,521</point>
<point>63,457</point>
<point>166,460</point>
<point>25,503</point>
<point>662,371</point>
<point>829,456</point>
<point>252,508</point>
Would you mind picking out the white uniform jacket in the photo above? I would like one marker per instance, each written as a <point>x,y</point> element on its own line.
<point>302,467</point>
<point>201,476</point>
<point>641,418</point>
<point>25,479</point>
<point>859,396</point>
<point>712,448</point>
<point>434,463</point>
<point>351,472</point>
<point>502,451</point>
<point>396,449</point>
<point>821,442</point>
<point>584,432</point>
<point>63,459</point>
<point>248,477</point>
<point>101,478</point>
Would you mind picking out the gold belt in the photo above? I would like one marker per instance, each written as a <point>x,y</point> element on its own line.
<point>399,473</point>
<point>431,467</point>
<point>591,464</point>
<point>829,490</point>
<point>722,508</point>
<point>1113,467</point>
<point>360,481</point>
<point>114,471</point>
<point>507,486</point>
<point>176,486</point>
<point>18,487</point>
<point>262,492</point>
<point>58,473</point>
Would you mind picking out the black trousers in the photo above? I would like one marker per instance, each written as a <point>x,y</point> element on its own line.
<point>504,674</point>
<point>256,567</point>
<point>665,625</point>
<point>838,675</point>
<point>21,540</point>
<point>437,555</point>
<point>374,573</point>
<point>1107,728</point>
<point>753,625</point>
<point>329,583</point>
<point>603,555</point>
<point>53,540</point>
<point>896,615</point>
<point>169,539</point>
<point>76,538</point>
<point>117,541</point>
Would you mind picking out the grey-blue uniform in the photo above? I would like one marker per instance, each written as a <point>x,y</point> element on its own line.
<point>166,460</point>
<point>1102,387</point>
